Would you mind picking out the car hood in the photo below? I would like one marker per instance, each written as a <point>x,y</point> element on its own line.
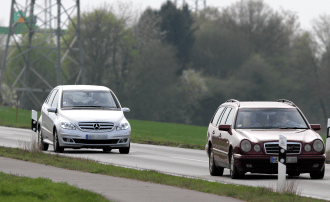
<point>259,135</point>
<point>75,116</point>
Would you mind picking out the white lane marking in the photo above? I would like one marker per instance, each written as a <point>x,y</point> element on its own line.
<point>176,157</point>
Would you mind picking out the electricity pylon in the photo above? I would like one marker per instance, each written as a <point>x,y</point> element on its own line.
<point>38,28</point>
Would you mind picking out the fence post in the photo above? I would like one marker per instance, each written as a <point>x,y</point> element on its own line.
<point>282,163</point>
<point>33,143</point>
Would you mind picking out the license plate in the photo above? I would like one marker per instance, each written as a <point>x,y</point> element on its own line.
<point>291,159</point>
<point>96,137</point>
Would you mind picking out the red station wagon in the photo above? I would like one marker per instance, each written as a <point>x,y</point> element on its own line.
<point>244,136</point>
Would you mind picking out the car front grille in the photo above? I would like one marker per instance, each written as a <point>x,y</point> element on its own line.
<point>84,141</point>
<point>292,148</point>
<point>96,126</point>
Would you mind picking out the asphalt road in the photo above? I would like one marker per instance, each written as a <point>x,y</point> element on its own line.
<point>176,161</point>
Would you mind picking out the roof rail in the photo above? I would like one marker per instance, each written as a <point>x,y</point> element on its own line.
<point>235,101</point>
<point>286,101</point>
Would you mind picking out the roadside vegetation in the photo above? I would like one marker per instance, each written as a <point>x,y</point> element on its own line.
<point>241,192</point>
<point>17,188</point>
<point>145,132</point>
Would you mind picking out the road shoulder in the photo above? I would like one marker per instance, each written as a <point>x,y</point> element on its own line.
<point>113,188</point>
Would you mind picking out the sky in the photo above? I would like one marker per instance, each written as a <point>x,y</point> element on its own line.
<point>307,10</point>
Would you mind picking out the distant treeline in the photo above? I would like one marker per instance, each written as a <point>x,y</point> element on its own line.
<point>176,65</point>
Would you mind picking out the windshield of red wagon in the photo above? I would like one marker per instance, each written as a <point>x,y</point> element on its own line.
<point>270,118</point>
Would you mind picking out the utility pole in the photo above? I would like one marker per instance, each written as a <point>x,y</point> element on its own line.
<point>32,39</point>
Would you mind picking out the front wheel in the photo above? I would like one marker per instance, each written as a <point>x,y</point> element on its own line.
<point>125,150</point>
<point>317,174</point>
<point>214,170</point>
<point>56,145</point>
<point>234,174</point>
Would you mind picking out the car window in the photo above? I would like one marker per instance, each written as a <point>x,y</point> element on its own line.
<point>229,120</point>
<point>55,100</point>
<point>217,115</point>
<point>90,99</point>
<point>269,118</point>
<point>49,95</point>
<point>51,98</point>
<point>224,117</point>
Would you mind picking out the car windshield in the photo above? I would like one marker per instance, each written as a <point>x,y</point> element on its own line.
<point>88,99</point>
<point>270,118</point>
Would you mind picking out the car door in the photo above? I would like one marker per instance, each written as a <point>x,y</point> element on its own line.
<point>53,116</point>
<point>213,130</point>
<point>223,154</point>
<point>44,115</point>
<point>226,135</point>
<point>47,122</point>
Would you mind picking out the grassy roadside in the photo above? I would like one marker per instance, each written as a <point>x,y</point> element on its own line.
<point>147,132</point>
<point>241,192</point>
<point>17,188</point>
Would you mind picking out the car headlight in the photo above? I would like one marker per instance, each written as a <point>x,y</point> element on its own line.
<point>308,147</point>
<point>245,145</point>
<point>257,148</point>
<point>68,125</point>
<point>318,145</point>
<point>123,126</point>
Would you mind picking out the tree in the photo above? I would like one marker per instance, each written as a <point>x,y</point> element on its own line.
<point>177,23</point>
<point>270,32</point>
<point>108,48</point>
<point>217,51</point>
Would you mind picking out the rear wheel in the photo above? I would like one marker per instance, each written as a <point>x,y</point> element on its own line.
<point>106,149</point>
<point>43,146</point>
<point>56,145</point>
<point>317,174</point>
<point>214,170</point>
<point>293,174</point>
<point>234,174</point>
<point>125,150</point>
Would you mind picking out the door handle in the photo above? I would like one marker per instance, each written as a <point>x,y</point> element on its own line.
<point>220,135</point>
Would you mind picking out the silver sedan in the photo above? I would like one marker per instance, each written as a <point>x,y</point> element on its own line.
<point>83,116</point>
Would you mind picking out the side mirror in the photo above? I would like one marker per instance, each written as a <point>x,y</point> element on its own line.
<point>125,109</point>
<point>52,109</point>
<point>225,127</point>
<point>316,127</point>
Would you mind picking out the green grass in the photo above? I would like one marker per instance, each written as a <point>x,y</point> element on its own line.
<point>147,132</point>
<point>8,117</point>
<point>241,192</point>
<point>168,134</point>
<point>16,188</point>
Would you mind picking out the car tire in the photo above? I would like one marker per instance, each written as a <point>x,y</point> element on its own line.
<point>214,170</point>
<point>56,145</point>
<point>317,174</point>
<point>293,174</point>
<point>125,150</point>
<point>106,149</point>
<point>43,146</point>
<point>234,174</point>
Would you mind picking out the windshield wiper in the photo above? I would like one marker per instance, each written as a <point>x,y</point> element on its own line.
<point>88,106</point>
<point>291,128</point>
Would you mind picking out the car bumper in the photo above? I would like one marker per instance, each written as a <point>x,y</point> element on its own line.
<point>262,164</point>
<point>81,139</point>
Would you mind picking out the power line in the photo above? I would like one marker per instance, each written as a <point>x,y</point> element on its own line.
<point>37,17</point>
